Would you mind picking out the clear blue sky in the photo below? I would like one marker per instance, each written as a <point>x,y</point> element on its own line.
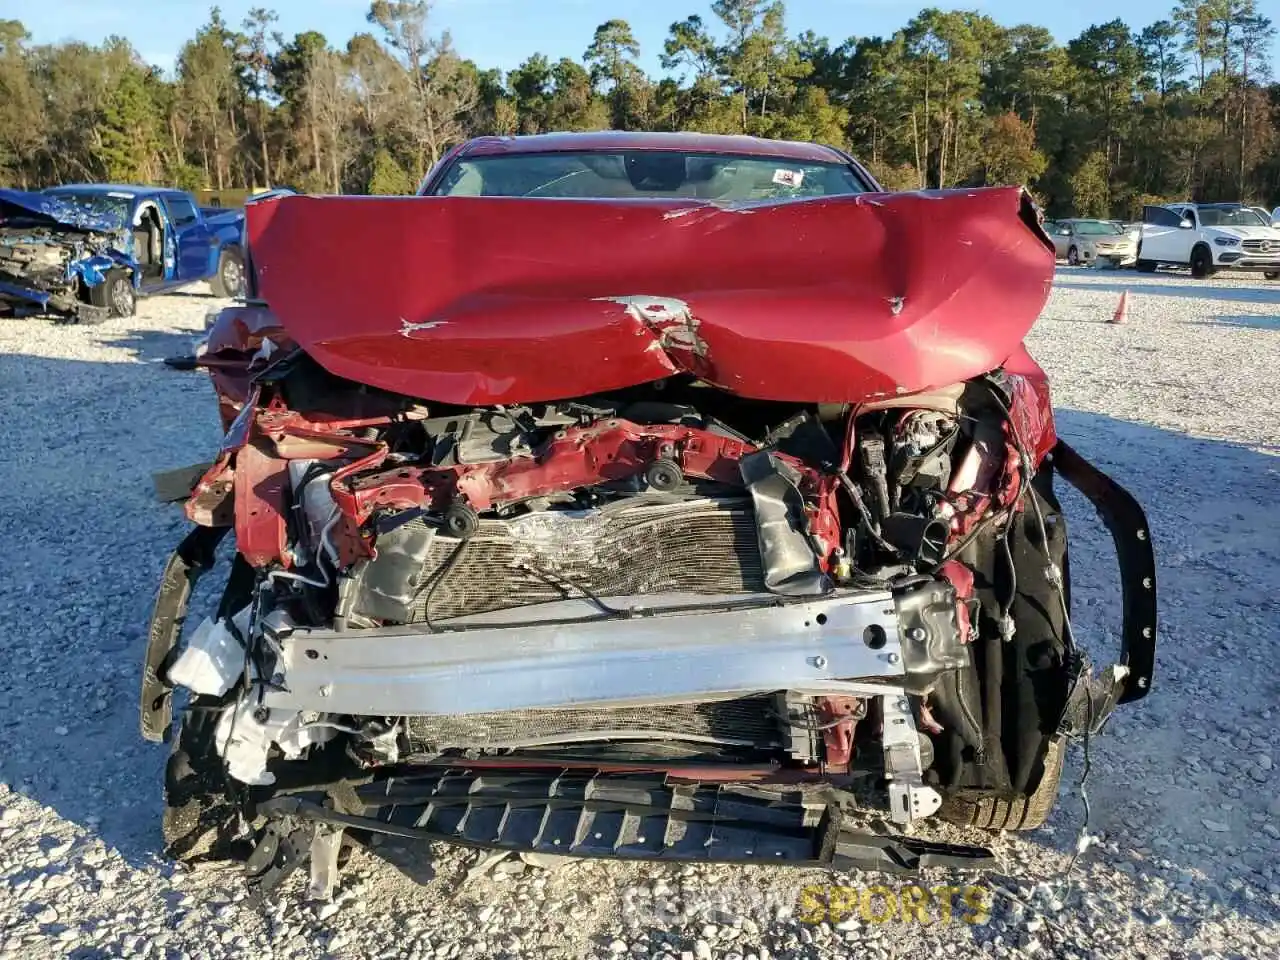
<point>501,33</point>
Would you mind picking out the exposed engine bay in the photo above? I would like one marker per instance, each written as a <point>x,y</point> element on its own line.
<point>663,621</point>
<point>40,268</point>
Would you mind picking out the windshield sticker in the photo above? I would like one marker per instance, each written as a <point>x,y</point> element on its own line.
<point>788,178</point>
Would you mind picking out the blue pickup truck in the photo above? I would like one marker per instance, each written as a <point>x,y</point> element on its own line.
<point>87,251</point>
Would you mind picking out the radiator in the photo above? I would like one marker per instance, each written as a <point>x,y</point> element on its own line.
<point>631,547</point>
<point>742,721</point>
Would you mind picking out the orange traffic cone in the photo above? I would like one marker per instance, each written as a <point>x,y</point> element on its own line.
<point>1122,310</point>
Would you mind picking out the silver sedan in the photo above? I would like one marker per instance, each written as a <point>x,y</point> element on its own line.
<point>1085,241</point>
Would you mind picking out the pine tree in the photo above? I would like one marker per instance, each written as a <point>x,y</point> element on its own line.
<point>388,178</point>
<point>1089,187</point>
<point>128,132</point>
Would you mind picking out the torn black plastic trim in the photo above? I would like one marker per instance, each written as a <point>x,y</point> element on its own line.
<point>1091,700</point>
<point>604,815</point>
<point>194,556</point>
<point>175,486</point>
<point>1127,524</point>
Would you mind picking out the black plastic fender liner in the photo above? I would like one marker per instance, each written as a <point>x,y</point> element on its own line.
<point>638,817</point>
<point>1127,523</point>
<point>175,486</point>
<point>194,556</point>
<point>1091,700</point>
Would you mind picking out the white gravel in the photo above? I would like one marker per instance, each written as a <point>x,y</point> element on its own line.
<point>1179,404</point>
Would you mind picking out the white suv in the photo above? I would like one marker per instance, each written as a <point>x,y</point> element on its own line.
<point>1208,237</point>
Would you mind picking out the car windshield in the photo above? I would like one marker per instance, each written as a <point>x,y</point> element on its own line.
<point>1229,217</point>
<point>108,206</point>
<point>1096,228</point>
<point>646,173</point>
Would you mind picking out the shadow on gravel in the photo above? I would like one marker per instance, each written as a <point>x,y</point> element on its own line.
<point>1179,783</point>
<point>84,545</point>
<point>155,345</point>
<point>1182,782</point>
<point>412,859</point>
<point>1172,285</point>
<point>192,294</point>
<point>1251,321</point>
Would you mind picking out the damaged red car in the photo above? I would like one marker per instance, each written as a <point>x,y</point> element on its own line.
<point>668,497</point>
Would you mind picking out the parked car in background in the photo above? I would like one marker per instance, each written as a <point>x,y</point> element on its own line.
<point>647,527</point>
<point>1208,237</point>
<point>87,251</point>
<point>1132,228</point>
<point>1080,241</point>
<point>234,199</point>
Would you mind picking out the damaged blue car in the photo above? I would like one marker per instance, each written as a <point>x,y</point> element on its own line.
<point>85,252</point>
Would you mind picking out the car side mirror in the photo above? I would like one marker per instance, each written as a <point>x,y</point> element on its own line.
<point>1186,225</point>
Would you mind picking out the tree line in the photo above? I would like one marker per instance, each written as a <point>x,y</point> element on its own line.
<point>1117,117</point>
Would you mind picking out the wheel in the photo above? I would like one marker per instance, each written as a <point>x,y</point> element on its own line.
<point>116,293</point>
<point>1271,274</point>
<point>229,280</point>
<point>989,810</point>
<point>1201,263</point>
<point>198,821</point>
<point>1073,257</point>
<point>1144,266</point>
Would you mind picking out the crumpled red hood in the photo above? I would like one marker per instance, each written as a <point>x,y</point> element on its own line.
<point>488,300</point>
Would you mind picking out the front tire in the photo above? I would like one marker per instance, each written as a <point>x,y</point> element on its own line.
<point>1201,263</point>
<point>228,282</point>
<point>992,810</point>
<point>198,822</point>
<point>116,294</point>
<point>1271,275</point>
<point>1073,257</point>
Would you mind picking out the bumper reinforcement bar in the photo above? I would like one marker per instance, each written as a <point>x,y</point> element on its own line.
<point>815,646</point>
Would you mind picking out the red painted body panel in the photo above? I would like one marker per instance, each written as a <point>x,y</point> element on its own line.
<point>261,492</point>
<point>1032,406</point>
<point>475,301</point>
<point>580,457</point>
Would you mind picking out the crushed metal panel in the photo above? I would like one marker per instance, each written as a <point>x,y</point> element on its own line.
<point>52,249</point>
<point>58,209</point>
<point>260,489</point>
<point>489,300</point>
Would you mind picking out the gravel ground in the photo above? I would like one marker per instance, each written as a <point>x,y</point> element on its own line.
<point>1178,404</point>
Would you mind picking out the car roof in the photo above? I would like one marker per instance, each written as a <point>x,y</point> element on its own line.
<point>630,140</point>
<point>131,189</point>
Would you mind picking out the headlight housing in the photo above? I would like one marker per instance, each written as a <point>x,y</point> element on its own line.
<point>1227,241</point>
